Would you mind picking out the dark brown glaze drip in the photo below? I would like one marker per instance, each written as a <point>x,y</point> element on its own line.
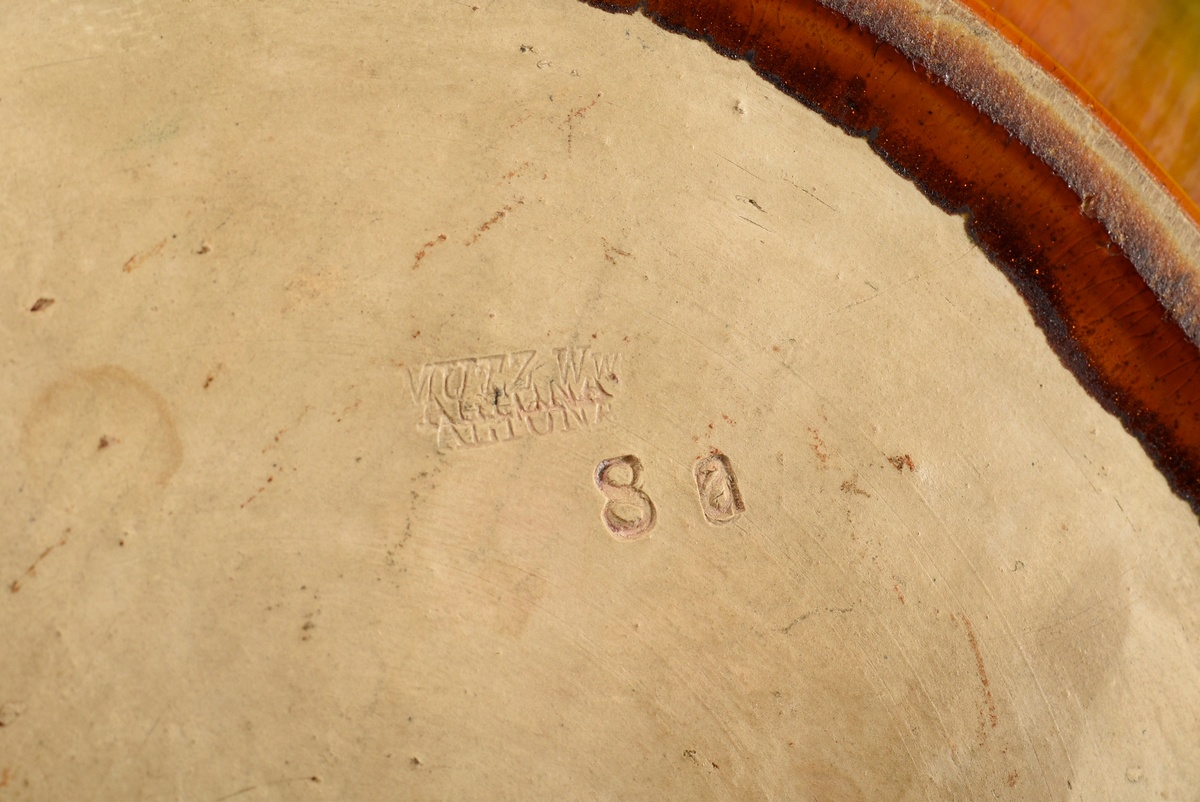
<point>1098,314</point>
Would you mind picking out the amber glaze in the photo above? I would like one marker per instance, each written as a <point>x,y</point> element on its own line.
<point>1140,59</point>
<point>1096,311</point>
<point>1115,79</point>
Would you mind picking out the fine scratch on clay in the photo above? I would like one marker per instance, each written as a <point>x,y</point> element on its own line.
<point>313,779</point>
<point>740,167</point>
<point>810,194</point>
<point>800,619</point>
<point>62,62</point>
<point>760,225</point>
<point>138,259</point>
<point>31,571</point>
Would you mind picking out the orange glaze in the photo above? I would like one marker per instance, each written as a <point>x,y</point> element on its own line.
<point>1139,60</point>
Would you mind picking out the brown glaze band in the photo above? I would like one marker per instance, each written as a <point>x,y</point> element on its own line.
<point>928,117</point>
<point>1094,108</point>
<point>1010,80</point>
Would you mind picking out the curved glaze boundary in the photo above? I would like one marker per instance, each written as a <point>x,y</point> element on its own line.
<point>1006,76</point>
<point>1052,196</point>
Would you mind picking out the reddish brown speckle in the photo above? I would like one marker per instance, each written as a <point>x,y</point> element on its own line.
<point>515,171</point>
<point>902,461</point>
<point>426,248</point>
<point>40,304</point>
<point>851,486</point>
<point>487,224</point>
<point>611,250</point>
<point>818,446</point>
<point>983,677</point>
<point>573,116</point>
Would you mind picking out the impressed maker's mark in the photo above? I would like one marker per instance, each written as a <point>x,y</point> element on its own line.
<point>483,400</point>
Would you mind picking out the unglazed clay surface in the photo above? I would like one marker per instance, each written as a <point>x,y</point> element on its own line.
<point>510,400</point>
